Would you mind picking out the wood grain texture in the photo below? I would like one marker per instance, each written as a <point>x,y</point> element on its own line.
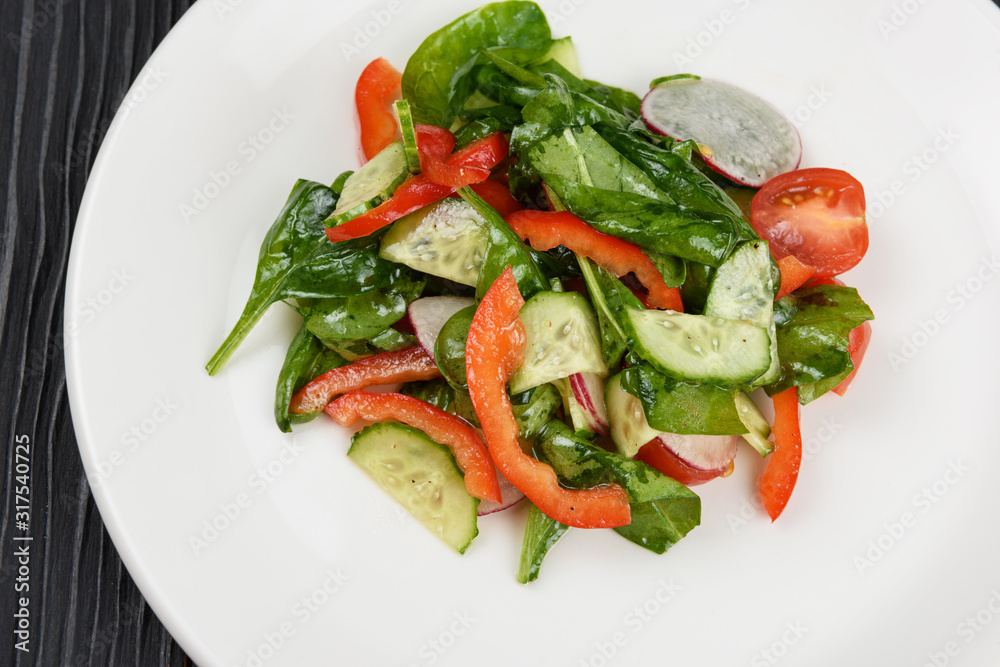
<point>65,68</point>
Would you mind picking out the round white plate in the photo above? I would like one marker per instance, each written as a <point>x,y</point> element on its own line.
<point>257,548</point>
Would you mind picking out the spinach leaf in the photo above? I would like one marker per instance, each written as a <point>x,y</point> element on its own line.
<point>813,336</point>
<point>672,269</point>
<point>449,350</point>
<point>298,261</point>
<point>682,407</point>
<point>306,359</point>
<point>651,223</point>
<point>609,298</point>
<point>583,156</point>
<point>534,408</point>
<point>663,509</point>
<point>364,315</point>
<point>504,249</point>
<point>437,80</point>
<point>437,392</point>
<point>540,534</point>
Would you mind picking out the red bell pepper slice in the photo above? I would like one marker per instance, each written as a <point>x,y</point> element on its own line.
<point>472,164</point>
<point>778,480</point>
<point>406,365</point>
<point>494,350</point>
<point>794,275</point>
<point>415,193</point>
<point>440,426</point>
<point>545,230</point>
<point>378,87</point>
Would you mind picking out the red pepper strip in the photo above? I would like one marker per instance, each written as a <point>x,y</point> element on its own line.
<point>778,480</point>
<point>494,350</point>
<point>415,193</point>
<point>794,274</point>
<point>406,365</point>
<point>441,427</point>
<point>857,346</point>
<point>470,165</point>
<point>378,87</point>
<point>548,229</point>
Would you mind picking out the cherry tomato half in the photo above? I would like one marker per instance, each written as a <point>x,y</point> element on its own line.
<point>817,215</point>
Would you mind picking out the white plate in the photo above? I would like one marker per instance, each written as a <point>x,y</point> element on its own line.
<point>308,563</point>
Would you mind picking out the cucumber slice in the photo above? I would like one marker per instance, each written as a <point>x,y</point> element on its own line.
<point>757,426</point>
<point>409,133</point>
<point>562,339</point>
<point>447,239</point>
<point>371,185</point>
<point>629,428</point>
<point>563,52</point>
<point>742,289</point>
<point>696,348</point>
<point>422,476</point>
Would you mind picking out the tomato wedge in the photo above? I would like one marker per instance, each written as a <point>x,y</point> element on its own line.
<point>440,426</point>
<point>817,215</point>
<point>378,87</point>
<point>406,365</point>
<point>494,350</point>
<point>545,230</point>
<point>778,480</point>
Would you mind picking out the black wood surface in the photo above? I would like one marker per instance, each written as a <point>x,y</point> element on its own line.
<point>66,66</point>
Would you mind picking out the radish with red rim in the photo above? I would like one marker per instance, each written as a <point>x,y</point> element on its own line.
<point>738,134</point>
<point>429,314</point>
<point>690,459</point>
<point>509,493</point>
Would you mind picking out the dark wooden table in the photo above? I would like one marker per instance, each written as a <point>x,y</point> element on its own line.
<point>67,65</point>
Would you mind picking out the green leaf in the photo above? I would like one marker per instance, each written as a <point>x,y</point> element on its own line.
<point>449,349</point>
<point>606,296</point>
<point>534,408</point>
<point>437,78</point>
<point>364,315</point>
<point>663,509</point>
<point>306,359</point>
<point>437,392</point>
<point>673,406</point>
<point>540,534</point>
<point>651,223</point>
<point>504,249</point>
<point>814,327</point>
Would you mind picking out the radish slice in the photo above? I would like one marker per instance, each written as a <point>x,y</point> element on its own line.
<point>428,315</point>
<point>709,453</point>
<point>510,495</point>
<point>588,390</point>
<point>739,135</point>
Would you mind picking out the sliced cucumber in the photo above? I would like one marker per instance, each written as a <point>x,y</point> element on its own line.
<point>742,289</point>
<point>371,185</point>
<point>629,428</point>
<point>446,239</point>
<point>563,52</point>
<point>757,426</point>
<point>409,133</point>
<point>422,476</point>
<point>696,348</point>
<point>562,339</point>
